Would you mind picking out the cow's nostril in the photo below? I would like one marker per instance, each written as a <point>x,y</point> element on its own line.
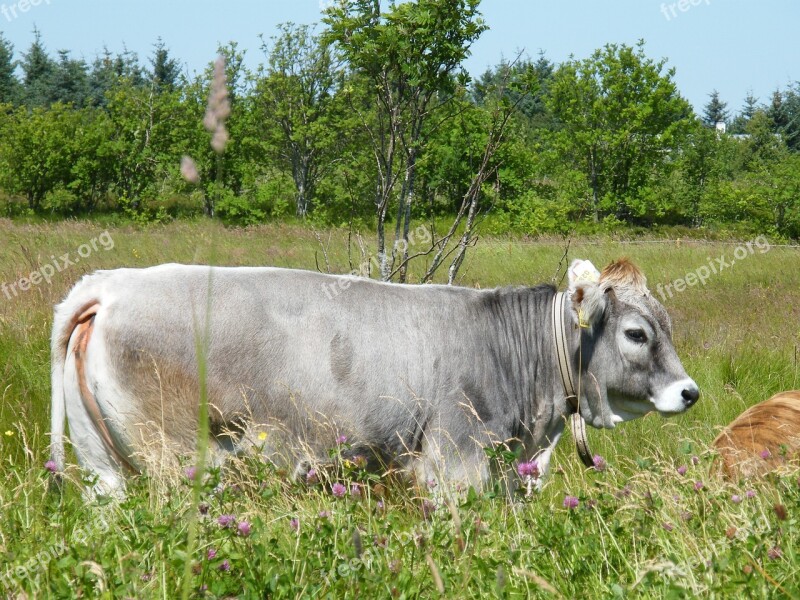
<point>690,395</point>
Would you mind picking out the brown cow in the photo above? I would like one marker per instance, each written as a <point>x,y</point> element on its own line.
<point>762,438</point>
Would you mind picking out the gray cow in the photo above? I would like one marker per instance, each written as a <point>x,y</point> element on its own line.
<point>419,376</point>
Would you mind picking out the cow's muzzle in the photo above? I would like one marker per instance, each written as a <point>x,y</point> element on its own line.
<point>676,397</point>
<point>690,394</point>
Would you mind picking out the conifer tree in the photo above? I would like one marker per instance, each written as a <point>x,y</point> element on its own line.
<point>165,69</point>
<point>8,82</point>
<point>750,106</point>
<point>37,69</point>
<point>70,81</point>
<point>716,111</point>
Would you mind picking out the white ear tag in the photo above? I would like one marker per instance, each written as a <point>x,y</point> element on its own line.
<point>580,271</point>
<point>583,270</point>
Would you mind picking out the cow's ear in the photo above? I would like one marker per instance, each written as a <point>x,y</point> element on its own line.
<point>588,299</point>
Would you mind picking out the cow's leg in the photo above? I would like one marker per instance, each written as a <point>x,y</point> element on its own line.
<point>543,456</point>
<point>447,463</point>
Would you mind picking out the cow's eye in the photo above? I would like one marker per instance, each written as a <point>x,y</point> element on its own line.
<point>636,335</point>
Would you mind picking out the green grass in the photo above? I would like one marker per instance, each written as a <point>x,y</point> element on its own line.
<point>640,530</point>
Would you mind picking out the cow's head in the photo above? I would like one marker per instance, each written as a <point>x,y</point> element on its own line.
<point>628,365</point>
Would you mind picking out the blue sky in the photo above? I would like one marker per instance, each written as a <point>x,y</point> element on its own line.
<point>731,45</point>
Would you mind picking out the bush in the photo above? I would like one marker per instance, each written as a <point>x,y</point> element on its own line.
<point>276,196</point>
<point>183,205</point>
<point>139,211</point>
<point>11,206</point>
<point>238,209</point>
<point>534,215</point>
<point>61,201</point>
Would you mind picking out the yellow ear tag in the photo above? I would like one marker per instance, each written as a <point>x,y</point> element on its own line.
<point>582,322</point>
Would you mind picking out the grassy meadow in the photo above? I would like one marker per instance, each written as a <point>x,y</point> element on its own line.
<point>656,522</point>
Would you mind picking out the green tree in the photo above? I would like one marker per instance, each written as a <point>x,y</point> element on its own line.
<point>765,192</point>
<point>763,147</point>
<point>534,106</point>
<point>782,191</point>
<point>410,56</point>
<point>457,143</point>
<point>145,129</point>
<point>705,160</point>
<point>164,69</point>
<point>776,111</point>
<point>715,110</point>
<point>70,81</point>
<point>94,168</point>
<point>8,81</point>
<point>297,113</point>
<point>37,68</point>
<point>37,151</point>
<point>750,106</point>
<point>108,71</point>
<point>622,117</point>
<point>791,117</point>
<point>741,120</point>
<point>222,175</point>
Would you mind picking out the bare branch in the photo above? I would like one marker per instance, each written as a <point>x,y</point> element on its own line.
<point>324,249</point>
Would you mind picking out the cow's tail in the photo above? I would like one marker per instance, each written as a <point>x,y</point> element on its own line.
<point>80,306</point>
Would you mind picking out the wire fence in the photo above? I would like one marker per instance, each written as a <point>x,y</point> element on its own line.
<point>674,242</point>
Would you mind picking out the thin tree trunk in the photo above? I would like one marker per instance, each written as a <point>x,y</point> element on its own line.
<point>406,228</point>
<point>382,255</point>
<point>383,202</point>
<point>469,204</point>
<point>466,237</point>
<point>404,214</point>
<point>401,201</point>
<point>300,171</point>
<point>595,187</point>
<point>302,206</point>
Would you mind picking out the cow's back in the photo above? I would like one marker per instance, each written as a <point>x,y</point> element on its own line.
<point>763,437</point>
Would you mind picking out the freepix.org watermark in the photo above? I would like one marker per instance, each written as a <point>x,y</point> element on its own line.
<point>12,576</point>
<point>420,235</point>
<point>45,273</point>
<point>15,9</point>
<point>713,267</point>
<point>671,10</point>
